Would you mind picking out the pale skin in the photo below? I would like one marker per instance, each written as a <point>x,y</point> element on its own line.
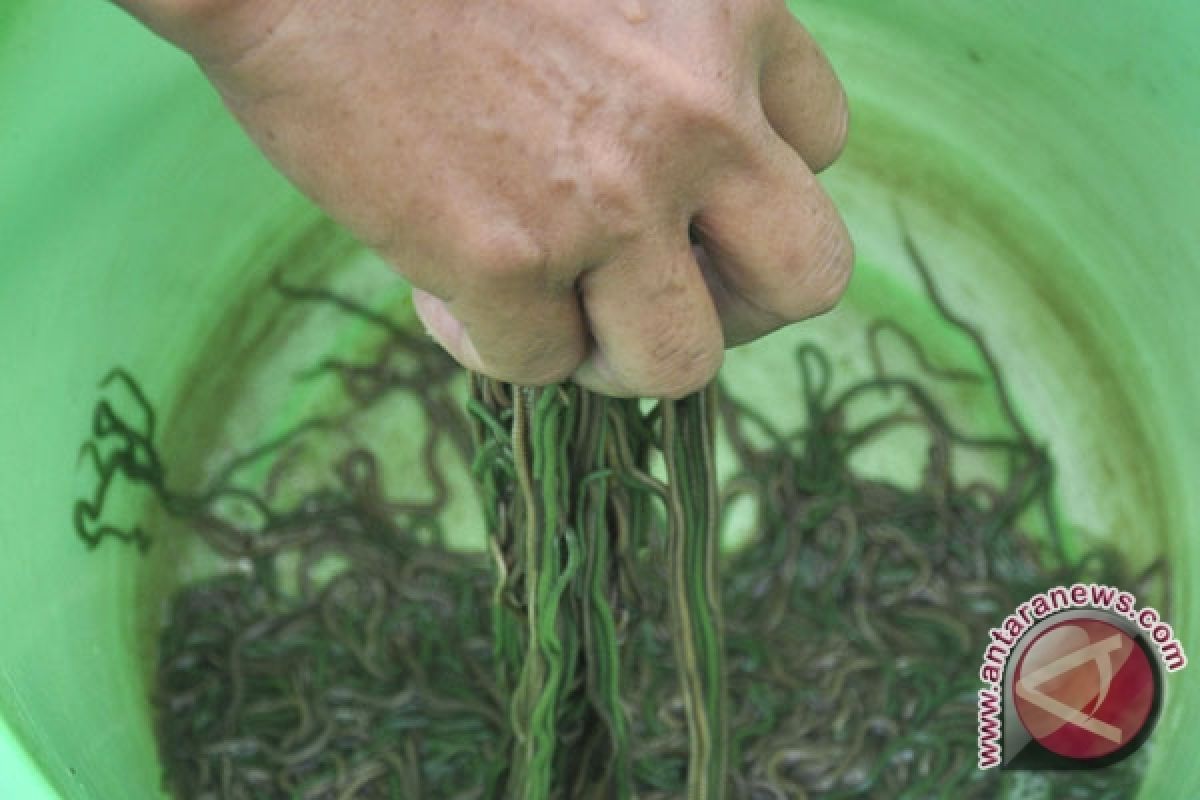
<point>609,191</point>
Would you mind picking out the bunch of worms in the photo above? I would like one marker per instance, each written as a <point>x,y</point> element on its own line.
<point>603,644</point>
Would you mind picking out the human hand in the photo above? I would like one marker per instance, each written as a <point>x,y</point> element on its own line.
<point>540,169</point>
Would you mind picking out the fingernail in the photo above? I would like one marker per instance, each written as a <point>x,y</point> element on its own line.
<point>446,330</point>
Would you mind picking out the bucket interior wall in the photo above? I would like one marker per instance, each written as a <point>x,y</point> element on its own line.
<point>1044,156</point>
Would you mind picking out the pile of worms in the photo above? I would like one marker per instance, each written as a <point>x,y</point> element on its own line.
<point>603,645</point>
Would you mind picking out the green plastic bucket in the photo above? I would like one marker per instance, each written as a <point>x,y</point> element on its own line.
<point>1046,155</point>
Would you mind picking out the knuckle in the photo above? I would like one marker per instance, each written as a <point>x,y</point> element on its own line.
<point>814,275</point>
<point>702,106</point>
<point>840,130</point>
<point>545,365</point>
<point>530,345</point>
<point>501,254</point>
<point>615,192</point>
<point>768,17</point>
<point>833,273</point>
<point>680,366</point>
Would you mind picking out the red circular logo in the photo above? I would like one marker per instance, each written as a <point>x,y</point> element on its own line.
<point>1084,688</point>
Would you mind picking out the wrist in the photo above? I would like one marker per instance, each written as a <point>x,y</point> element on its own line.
<point>214,32</point>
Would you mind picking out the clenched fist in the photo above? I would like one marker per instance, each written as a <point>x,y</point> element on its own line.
<point>606,190</point>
